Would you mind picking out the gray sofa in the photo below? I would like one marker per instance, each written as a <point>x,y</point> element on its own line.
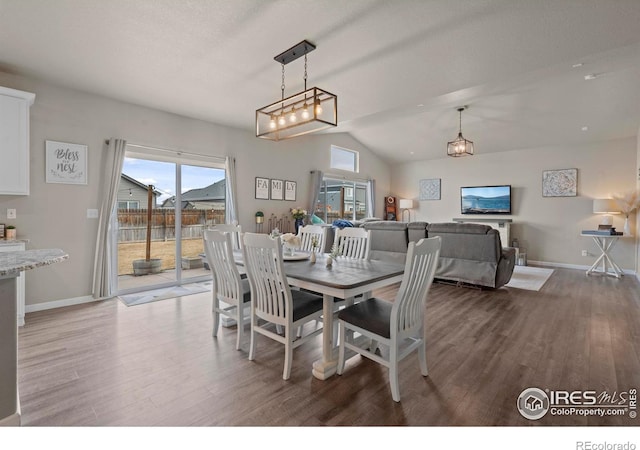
<point>470,253</point>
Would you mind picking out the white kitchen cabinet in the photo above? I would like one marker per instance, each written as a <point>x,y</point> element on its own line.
<point>14,141</point>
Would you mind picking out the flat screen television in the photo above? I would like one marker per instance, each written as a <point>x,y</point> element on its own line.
<point>486,199</point>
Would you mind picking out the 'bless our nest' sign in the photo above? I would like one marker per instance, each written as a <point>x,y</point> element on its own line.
<point>66,163</point>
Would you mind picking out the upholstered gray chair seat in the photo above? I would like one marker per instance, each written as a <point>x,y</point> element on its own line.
<point>373,315</point>
<point>305,303</point>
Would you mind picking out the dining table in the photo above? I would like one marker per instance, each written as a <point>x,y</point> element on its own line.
<point>345,279</point>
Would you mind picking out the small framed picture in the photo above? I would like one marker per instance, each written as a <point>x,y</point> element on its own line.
<point>1,231</point>
<point>560,183</point>
<point>277,189</point>
<point>290,190</point>
<point>65,163</point>
<point>262,188</point>
<point>430,189</point>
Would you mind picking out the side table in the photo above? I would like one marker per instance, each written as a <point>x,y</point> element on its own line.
<point>605,243</point>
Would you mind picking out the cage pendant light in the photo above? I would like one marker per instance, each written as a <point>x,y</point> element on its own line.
<point>460,146</point>
<point>308,111</point>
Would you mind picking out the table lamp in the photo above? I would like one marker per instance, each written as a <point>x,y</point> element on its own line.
<point>606,206</point>
<point>406,204</point>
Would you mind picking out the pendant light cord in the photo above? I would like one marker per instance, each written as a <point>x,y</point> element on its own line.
<point>305,71</point>
<point>282,85</point>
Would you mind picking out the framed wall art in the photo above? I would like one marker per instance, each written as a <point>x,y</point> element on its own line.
<point>262,188</point>
<point>65,163</point>
<point>430,189</point>
<point>560,183</point>
<point>277,189</point>
<point>290,190</point>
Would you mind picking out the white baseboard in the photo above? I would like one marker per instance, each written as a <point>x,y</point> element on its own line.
<point>59,303</point>
<point>575,266</point>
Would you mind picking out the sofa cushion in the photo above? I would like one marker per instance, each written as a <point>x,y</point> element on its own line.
<point>389,240</point>
<point>467,241</point>
<point>417,231</point>
<point>466,228</point>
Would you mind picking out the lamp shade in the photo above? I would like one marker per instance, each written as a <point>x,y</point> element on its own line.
<point>605,206</point>
<point>405,203</point>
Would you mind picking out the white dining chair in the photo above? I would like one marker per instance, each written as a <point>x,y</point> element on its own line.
<point>307,233</point>
<point>273,301</point>
<point>234,230</point>
<point>231,293</point>
<point>398,325</point>
<point>353,242</point>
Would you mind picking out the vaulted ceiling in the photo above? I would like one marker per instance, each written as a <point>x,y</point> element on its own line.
<point>399,68</point>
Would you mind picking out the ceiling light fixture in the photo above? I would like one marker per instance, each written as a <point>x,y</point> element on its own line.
<point>460,146</point>
<point>306,112</point>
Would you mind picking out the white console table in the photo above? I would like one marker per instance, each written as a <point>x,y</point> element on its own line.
<point>12,264</point>
<point>604,243</point>
<point>502,225</point>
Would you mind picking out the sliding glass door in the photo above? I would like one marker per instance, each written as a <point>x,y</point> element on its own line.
<point>163,208</point>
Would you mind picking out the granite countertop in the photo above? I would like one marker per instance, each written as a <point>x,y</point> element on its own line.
<point>12,262</point>
<point>12,241</point>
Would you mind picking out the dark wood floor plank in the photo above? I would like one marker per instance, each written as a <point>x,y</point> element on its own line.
<point>105,364</point>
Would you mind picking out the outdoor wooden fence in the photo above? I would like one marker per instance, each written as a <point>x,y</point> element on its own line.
<point>132,223</point>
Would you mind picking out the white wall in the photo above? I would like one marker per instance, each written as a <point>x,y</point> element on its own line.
<point>549,228</point>
<point>54,215</point>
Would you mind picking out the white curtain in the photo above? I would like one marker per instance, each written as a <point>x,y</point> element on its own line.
<point>371,198</point>
<point>231,195</point>
<point>104,267</point>
<point>314,189</point>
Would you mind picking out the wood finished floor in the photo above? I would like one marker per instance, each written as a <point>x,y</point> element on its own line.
<point>105,364</point>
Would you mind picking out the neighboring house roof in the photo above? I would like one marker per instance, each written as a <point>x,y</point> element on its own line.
<point>137,183</point>
<point>215,192</point>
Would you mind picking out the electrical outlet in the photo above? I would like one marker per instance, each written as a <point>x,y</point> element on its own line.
<point>92,213</point>
<point>11,213</point>
<point>585,253</point>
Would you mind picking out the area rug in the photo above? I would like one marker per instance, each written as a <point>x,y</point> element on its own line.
<point>139,298</point>
<point>529,278</point>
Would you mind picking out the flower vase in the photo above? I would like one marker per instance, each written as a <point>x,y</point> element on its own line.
<point>298,224</point>
<point>313,257</point>
<point>627,228</point>
<point>329,261</point>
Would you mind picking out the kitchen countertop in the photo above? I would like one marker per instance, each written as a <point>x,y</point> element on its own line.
<point>12,262</point>
<point>13,241</point>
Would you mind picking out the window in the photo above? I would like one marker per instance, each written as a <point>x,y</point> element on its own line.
<point>344,159</point>
<point>342,199</point>
<point>128,204</point>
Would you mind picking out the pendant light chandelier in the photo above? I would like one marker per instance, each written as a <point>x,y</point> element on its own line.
<point>306,112</point>
<point>460,146</point>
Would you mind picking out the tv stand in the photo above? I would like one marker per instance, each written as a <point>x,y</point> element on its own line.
<point>502,225</point>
